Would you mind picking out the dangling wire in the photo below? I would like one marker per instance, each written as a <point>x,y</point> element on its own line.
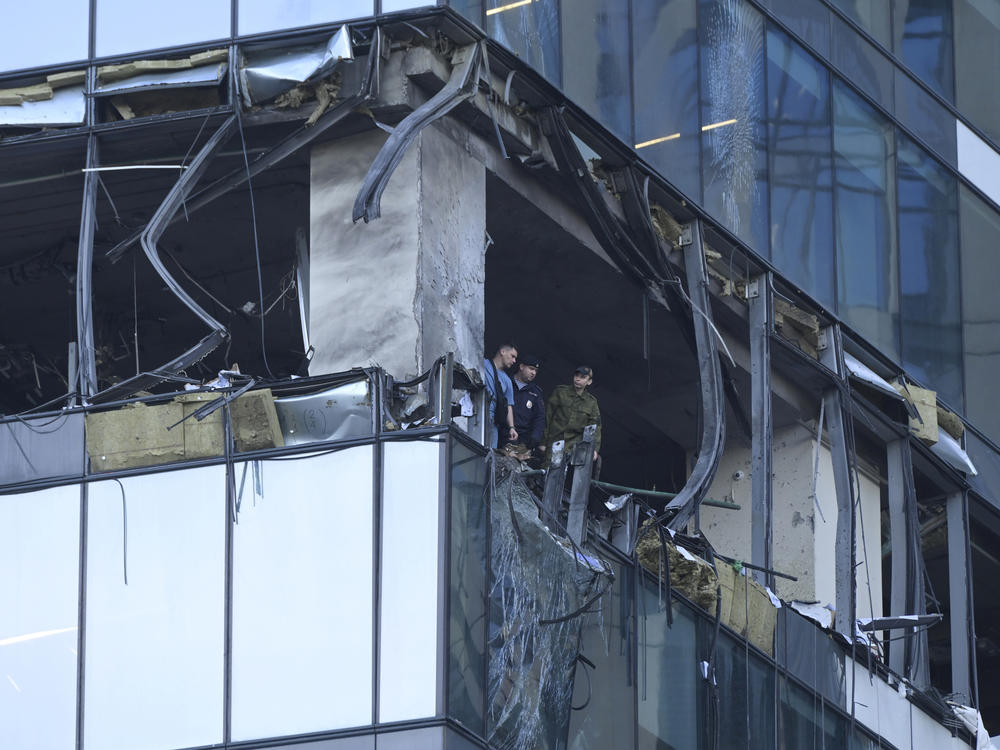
<point>256,244</point>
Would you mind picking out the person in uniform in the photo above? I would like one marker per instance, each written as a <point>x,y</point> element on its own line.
<point>570,409</point>
<point>529,404</point>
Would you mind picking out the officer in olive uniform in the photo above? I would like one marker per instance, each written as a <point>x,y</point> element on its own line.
<point>570,409</point>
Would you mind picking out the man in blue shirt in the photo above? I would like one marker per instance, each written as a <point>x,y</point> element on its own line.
<point>493,375</point>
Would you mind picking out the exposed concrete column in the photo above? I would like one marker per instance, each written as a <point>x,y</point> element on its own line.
<point>959,595</point>
<point>408,287</point>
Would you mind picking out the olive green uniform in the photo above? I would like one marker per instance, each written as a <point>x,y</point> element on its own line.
<point>567,413</point>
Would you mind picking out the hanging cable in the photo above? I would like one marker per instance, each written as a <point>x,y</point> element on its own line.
<point>256,242</point>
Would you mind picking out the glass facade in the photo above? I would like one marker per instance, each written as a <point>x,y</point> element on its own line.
<point>840,169</point>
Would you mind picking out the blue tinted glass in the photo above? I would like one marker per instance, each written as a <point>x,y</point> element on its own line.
<point>669,683</point>
<point>870,15</point>
<point>665,65</point>
<point>810,19</point>
<point>606,640</point>
<point>595,64</point>
<point>471,9</point>
<point>924,42</point>
<point>256,16</point>
<point>126,26</point>
<point>801,167</point>
<point>980,228</point>
<point>862,64</point>
<point>867,270</point>
<point>467,592</point>
<point>529,30</point>
<point>926,118</point>
<point>929,273</point>
<point>745,689</point>
<point>734,156</point>
<point>977,58</point>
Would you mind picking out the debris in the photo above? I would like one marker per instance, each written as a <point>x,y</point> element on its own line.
<point>924,426</point>
<point>109,73</point>
<point>797,326</point>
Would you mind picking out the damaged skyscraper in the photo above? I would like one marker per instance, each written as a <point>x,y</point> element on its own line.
<point>251,255</point>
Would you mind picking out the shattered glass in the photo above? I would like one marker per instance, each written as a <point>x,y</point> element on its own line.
<point>732,118</point>
<point>542,588</point>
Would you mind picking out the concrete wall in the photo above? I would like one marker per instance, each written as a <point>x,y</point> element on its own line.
<point>407,287</point>
<point>803,537</point>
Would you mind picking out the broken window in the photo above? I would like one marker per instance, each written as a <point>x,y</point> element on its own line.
<point>162,86</point>
<point>43,102</point>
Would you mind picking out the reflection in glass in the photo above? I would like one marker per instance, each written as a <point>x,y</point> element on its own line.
<point>867,269</point>
<point>926,118</point>
<point>530,31</point>
<point>471,9</point>
<point>65,23</point>
<point>923,40</point>
<point>980,227</point>
<point>606,640</point>
<point>669,683</point>
<point>408,632</point>
<point>154,659</point>
<point>929,274</point>
<point>810,19</point>
<point>801,167</point>
<point>257,16</point>
<point>40,560</point>
<point>665,66</point>
<point>596,65</point>
<point>745,686</point>
<point>871,15</point>
<point>467,595</point>
<point>734,157</point>
<point>302,595</point>
<point>126,26</point>
<point>977,57</point>
<point>861,63</point>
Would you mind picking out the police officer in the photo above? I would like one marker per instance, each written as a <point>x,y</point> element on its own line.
<point>529,405</point>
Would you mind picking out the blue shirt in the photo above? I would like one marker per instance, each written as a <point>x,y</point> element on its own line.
<point>508,391</point>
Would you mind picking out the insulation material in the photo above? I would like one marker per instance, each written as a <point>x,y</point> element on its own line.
<point>65,106</point>
<point>135,435</point>
<point>950,422</point>
<point>255,422</point>
<point>138,435</point>
<point>110,73</point>
<point>926,426</point>
<point>745,605</point>
<point>797,326</point>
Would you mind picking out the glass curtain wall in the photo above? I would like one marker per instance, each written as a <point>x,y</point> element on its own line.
<point>39,593</point>
<point>864,196</point>
<point>595,67</point>
<point>930,296</point>
<point>801,167</point>
<point>734,156</point>
<point>665,65</point>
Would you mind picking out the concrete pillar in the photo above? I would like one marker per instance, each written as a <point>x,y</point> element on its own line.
<point>408,287</point>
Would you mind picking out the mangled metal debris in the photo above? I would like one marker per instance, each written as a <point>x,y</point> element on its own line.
<point>267,74</point>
